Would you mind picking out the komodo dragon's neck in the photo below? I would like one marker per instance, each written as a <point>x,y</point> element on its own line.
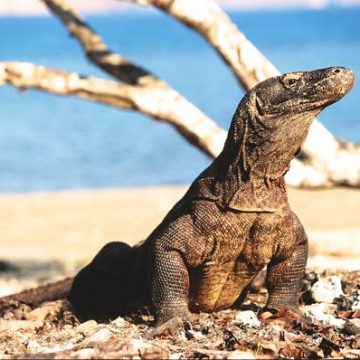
<point>267,129</point>
<point>249,173</point>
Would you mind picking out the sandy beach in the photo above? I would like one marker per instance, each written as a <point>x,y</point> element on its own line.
<point>71,226</point>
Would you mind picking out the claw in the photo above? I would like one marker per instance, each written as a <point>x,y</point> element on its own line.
<point>169,328</point>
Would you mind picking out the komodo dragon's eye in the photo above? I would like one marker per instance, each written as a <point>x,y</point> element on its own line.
<point>290,79</point>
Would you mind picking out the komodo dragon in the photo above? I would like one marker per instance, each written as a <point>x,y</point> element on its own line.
<point>233,221</point>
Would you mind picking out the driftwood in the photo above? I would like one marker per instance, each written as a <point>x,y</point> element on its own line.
<point>326,160</point>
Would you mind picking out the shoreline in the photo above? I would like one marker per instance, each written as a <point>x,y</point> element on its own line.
<point>72,225</point>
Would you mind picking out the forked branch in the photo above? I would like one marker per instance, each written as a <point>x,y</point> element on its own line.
<point>154,97</point>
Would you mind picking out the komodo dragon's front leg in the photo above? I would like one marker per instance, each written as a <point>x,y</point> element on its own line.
<point>170,286</point>
<point>173,249</point>
<point>169,289</point>
<point>176,247</point>
<point>286,272</point>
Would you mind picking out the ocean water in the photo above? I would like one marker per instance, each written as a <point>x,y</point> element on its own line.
<point>49,142</point>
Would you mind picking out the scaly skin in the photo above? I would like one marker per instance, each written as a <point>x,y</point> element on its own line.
<point>233,221</point>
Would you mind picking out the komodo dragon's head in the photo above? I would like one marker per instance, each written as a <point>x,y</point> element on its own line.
<point>273,118</point>
<point>300,92</point>
<point>267,130</point>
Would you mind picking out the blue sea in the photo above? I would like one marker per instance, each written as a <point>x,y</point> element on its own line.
<point>49,142</point>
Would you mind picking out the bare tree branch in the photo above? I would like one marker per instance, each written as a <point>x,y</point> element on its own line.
<point>156,100</point>
<point>148,100</point>
<point>337,161</point>
<point>24,75</point>
<point>94,47</point>
<point>218,29</point>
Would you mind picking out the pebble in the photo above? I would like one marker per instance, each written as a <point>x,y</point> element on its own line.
<point>247,318</point>
<point>320,313</point>
<point>87,328</point>
<point>86,353</point>
<point>196,335</point>
<point>327,289</point>
<point>241,355</point>
<point>101,335</point>
<point>59,347</point>
<point>33,346</point>
<point>352,327</point>
<point>356,303</point>
<point>277,333</point>
<point>119,322</point>
<point>175,356</point>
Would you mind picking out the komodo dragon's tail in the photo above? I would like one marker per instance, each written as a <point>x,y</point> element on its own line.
<point>34,297</point>
<point>99,286</point>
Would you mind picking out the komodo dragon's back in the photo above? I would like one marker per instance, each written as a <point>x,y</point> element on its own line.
<point>234,219</point>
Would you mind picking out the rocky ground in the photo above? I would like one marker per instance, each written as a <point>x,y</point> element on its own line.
<point>330,327</point>
<point>70,227</point>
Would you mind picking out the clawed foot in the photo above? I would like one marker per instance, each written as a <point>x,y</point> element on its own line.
<point>169,328</point>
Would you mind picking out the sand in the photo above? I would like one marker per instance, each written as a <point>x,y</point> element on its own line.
<point>71,226</point>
